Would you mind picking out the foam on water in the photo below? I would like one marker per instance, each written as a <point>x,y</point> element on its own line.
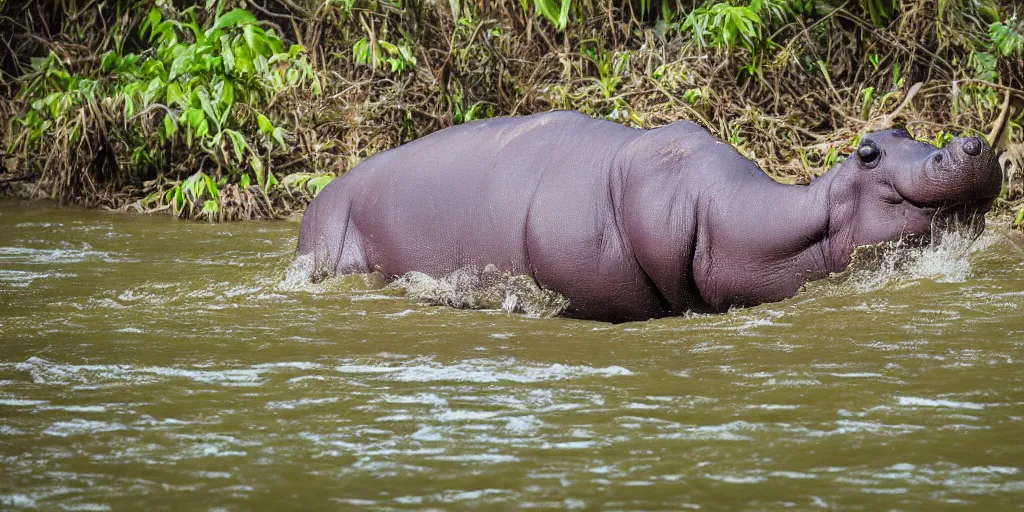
<point>472,288</point>
<point>914,401</point>
<point>898,265</point>
<point>79,426</point>
<point>466,288</point>
<point>47,372</point>
<point>70,254</point>
<point>419,369</point>
<point>297,279</point>
<point>24,278</point>
<point>480,371</point>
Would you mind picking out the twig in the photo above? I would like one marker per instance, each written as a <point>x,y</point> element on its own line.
<point>151,108</point>
<point>24,177</point>
<point>997,137</point>
<point>886,120</point>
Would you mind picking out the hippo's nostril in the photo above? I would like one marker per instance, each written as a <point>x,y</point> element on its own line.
<point>973,146</point>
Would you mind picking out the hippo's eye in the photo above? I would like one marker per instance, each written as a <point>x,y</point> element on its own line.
<point>868,154</point>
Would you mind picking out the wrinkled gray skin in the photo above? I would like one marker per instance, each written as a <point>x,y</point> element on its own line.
<point>633,224</point>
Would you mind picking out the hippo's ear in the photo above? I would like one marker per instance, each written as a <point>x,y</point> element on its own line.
<point>900,130</point>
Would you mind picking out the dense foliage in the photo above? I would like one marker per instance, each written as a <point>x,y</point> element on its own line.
<point>240,109</point>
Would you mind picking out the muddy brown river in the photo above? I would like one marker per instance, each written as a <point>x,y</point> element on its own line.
<point>152,364</point>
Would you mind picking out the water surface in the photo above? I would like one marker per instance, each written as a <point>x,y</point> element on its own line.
<point>147,363</point>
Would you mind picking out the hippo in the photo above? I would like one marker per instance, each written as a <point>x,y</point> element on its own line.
<point>632,224</point>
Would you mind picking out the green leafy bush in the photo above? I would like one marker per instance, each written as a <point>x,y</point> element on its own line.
<point>1006,38</point>
<point>723,25</point>
<point>555,11</point>
<point>197,102</point>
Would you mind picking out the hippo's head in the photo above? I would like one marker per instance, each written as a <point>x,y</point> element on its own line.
<point>907,189</point>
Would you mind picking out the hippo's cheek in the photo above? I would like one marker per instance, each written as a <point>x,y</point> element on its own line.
<point>894,222</point>
<point>916,221</point>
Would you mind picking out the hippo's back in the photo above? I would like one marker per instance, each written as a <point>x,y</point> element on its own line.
<point>466,195</point>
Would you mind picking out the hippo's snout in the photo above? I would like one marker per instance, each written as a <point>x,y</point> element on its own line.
<point>980,167</point>
<point>965,171</point>
<point>972,155</point>
<point>962,183</point>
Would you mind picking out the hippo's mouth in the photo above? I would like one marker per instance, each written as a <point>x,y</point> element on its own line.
<point>964,217</point>
<point>967,218</point>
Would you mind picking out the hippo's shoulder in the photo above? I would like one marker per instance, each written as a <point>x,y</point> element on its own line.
<point>554,117</point>
<point>679,133</point>
<point>565,119</point>
<point>561,116</point>
<point>676,140</point>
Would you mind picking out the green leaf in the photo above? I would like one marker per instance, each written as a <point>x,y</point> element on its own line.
<point>151,22</point>
<point>181,64</point>
<point>75,132</point>
<point>175,95</point>
<point>265,125</point>
<point>194,117</point>
<point>361,52</point>
<point>260,63</point>
<point>110,61</point>
<point>296,180</point>
<point>203,128</point>
<point>257,166</point>
<point>152,198</point>
<point>238,142</point>
<point>129,105</point>
<point>234,18</point>
<point>204,100</point>
<point>271,182</point>
<point>211,186</point>
<point>210,206</point>
<point>169,127</point>
<point>227,95</point>
<point>390,48</point>
<point>250,39</point>
<point>154,68</point>
<point>245,181</point>
<point>228,55</point>
<point>315,185</point>
<point>197,32</point>
<point>279,137</point>
<point>152,91</point>
<point>52,102</point>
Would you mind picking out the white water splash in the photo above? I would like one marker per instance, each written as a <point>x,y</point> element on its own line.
<point>480,371</point>
<point>298,278</point>
<point>69,254</point>
<point>897,265</point>
<point>489,288</point>
<point>297,275</point>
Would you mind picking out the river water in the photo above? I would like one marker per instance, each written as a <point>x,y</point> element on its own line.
<point>148,364</point>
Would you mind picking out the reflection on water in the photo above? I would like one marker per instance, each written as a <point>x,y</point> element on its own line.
<point>148,363</point>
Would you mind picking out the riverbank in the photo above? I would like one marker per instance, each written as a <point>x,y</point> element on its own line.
<point>228,113</point>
